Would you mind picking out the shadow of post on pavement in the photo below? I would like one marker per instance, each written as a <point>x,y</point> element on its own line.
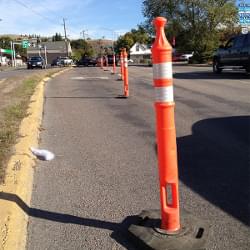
<point>215,162</point>
<point>119,230</point>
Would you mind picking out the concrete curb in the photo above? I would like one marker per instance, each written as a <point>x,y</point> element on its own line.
<point>15,193</point>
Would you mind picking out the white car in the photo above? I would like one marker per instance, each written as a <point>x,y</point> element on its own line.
<point>66,61</point>
<point>186,56</point>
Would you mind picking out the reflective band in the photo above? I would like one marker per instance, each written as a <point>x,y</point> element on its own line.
<point>162,71</point>
<point>164,94</point>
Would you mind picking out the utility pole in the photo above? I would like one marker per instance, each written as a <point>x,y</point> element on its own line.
<point>66,39</point>
<point>83,33</point>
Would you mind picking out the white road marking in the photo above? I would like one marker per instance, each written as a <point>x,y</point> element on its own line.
<point>89,77</point>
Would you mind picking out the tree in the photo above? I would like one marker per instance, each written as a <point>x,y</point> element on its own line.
<point>81,48</point>
<point>196,24</point>
<point>57,37</point>
<point>130,38</point>
<point>5,42</point>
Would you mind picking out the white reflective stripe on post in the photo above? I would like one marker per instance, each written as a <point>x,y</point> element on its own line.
<point>126,62</point>
<point>163,70</point>
<point>164,94</point>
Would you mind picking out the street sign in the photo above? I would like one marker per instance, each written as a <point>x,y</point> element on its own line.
<point>25,44</point>
<point>244,13</point>
<point>7,51</point>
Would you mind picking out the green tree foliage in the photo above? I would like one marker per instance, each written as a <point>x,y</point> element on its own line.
<point>57,37</point>
<point>196,24</point>
<point>81,48</point>
<point>130,38</point>
<point>5,44</point>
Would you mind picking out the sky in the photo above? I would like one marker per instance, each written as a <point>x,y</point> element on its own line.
<point>92,18</point>
<point>95,19</point>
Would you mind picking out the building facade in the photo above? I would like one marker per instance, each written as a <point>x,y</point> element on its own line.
<point>140,53</point>
<point>53,50</point>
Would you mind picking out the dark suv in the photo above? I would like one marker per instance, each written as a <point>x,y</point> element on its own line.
<point>36,62</point>
<point>235,54</point>
<point>86,61</point>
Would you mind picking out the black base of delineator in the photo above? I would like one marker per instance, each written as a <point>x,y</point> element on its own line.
<point>122,97</point>
<point>147,235</point>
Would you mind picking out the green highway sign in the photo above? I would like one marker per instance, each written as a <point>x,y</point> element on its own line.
<point>25,44</point>
<point>7,51</point>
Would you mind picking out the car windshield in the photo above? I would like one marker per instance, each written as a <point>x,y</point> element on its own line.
<point>36,58</point>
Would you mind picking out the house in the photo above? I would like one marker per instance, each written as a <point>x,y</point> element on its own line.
<point>53,49</point>
<point>140,53</point>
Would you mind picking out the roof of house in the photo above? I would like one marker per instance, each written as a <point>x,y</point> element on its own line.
<point>140,49</point>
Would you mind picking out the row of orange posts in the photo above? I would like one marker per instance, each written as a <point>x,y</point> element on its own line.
<point>165,132</point>
<point>170,226</point>
<point>123,68</point>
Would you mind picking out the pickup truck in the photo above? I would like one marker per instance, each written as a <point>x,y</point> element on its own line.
<point>235,54</point>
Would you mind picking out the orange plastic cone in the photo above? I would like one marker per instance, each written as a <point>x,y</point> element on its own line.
<point>165,128</point>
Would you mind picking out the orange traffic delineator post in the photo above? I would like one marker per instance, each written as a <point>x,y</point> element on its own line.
<point>162,229</point>
<point>165,130</point>
<point>125,73</point>
<point>101,62</point>
<point>114,64</point>
<point>121,64</point>
<point>106,63</point>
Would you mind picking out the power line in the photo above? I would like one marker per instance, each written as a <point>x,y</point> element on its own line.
<point>44,17</point>
<point>35,12</point>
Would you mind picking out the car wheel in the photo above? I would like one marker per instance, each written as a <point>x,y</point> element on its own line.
<point>216,67</point>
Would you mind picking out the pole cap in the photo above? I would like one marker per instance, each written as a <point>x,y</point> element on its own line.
<point>161,49</point>
<point>159,22</point>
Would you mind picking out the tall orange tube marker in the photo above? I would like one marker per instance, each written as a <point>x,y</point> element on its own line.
<point>156,229</point>
<point>165,128</point>
<point>101,62</point>
<point>125,73</point>
<point>121,64</point>
<point>114,66</point>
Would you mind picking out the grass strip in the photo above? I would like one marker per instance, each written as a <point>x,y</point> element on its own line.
<point>12,117</point>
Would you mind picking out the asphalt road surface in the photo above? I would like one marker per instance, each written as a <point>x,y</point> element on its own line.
<point>105,170</point>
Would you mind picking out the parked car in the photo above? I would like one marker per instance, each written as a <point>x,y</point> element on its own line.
<point>98,61</point>
<point>186,56</point>
<point>86,61</point>
<point>56,62</point>
<point>235,54</point>
<point>176,57</point>
<point>36,62</point>
<point>4,61</point>
<point>111,59</point>
<point>65,61</point>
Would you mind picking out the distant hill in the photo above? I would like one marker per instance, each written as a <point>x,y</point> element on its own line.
<point>20,37</point>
